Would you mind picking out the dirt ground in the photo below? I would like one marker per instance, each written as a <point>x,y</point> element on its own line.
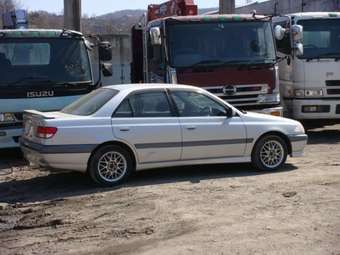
<point>223,209</point>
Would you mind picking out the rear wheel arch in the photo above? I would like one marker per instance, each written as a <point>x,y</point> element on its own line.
<point>276,133</point>
<point>116,143</point>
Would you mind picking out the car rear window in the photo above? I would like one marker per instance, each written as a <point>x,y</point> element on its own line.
<point>90,103</point>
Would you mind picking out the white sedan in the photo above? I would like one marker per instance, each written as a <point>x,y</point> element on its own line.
<point>116,130</point>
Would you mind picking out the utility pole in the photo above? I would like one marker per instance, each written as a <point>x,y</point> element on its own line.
<point>72,14</point>
<point>303,4</point>
<point>227,6</point>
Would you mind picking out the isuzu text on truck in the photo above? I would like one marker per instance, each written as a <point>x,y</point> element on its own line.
<point>232,56</point>
<point>44,70</point>
<point>310,77</point>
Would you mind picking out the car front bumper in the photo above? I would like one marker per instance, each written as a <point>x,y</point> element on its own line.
<point>298,143</point>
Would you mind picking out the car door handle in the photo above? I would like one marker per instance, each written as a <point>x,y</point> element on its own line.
<point>191,127</point>
<point>124,129</point>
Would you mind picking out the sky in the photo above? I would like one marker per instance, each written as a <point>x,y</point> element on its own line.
<point>99,7</point>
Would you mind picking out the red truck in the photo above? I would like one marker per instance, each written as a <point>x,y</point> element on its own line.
<point>232,56</point>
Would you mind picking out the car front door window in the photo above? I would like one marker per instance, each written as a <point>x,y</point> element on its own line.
<point>194,104</point>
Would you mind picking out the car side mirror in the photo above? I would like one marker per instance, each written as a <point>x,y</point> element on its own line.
<point>229,112</point>
<point>107,69</point>
<point>105,51</point>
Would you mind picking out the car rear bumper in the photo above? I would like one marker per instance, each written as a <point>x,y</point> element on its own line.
<point>298,143</point>
<point>42,156</point>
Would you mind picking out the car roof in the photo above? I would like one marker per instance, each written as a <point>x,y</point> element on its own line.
<point>143,86</point>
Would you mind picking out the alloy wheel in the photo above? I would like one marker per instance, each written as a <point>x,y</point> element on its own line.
<point>112,166</point>
<point>272,154</point>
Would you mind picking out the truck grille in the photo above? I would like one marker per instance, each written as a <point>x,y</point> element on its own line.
<point>335,87</point>
<point>240,95</point>
<point>333,91</point>
<point>333,83</point>
<point>337,111</point>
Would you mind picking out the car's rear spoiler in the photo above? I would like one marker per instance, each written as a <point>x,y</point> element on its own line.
<point>35,113</point>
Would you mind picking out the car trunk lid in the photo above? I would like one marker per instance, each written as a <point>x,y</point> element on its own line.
<point>33,120</point>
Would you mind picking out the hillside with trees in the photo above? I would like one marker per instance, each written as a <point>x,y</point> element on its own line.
<point>5,6</point>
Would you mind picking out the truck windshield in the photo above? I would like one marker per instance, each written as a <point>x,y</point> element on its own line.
<point>321,38</point>
<point>220,43</point>
<point>26,62</point>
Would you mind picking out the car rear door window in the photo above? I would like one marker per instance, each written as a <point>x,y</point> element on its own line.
<point>194,104</point>
<point>145,105</point>
<point>124,110</point>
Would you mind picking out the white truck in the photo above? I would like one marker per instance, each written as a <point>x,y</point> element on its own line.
<point>310,73</point>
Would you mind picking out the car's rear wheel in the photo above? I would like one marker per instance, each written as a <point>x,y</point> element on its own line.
<point>269,153</point>
<point>110,165</point>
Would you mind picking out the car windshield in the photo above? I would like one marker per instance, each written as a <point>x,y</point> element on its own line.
<point>90,103</point>
<point>26,62</point>
<point>321,38</point>
<point>220,43</point>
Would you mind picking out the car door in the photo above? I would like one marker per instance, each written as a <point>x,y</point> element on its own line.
<point>146,121</point>
<point>207,131</point>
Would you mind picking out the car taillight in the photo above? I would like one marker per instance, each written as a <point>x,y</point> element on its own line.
<point>46,132</point>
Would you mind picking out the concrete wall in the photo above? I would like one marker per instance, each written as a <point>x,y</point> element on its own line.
<point>290,6</point>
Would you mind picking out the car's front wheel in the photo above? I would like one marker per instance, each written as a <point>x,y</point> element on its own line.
<point>110,165</point>
<point>269,153</point>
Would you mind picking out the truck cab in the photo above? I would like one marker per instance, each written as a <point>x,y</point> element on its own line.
<point>232,56</point>
<point>310,73</point>
<point>43,70</point>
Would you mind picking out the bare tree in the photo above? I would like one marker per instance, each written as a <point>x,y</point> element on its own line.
<point>6,6</point>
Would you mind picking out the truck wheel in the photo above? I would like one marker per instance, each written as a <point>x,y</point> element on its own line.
<point>269,153</point>
<point>110,165</point>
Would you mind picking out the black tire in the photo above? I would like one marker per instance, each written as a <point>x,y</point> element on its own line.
<point>259,146</point>
<point>98,158</point>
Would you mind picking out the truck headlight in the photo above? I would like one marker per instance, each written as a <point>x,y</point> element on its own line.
<point>308,92</point>
<point>300,93</point>
<point>269,98</point>
<point>7,117</point>
<point>313,92</point>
